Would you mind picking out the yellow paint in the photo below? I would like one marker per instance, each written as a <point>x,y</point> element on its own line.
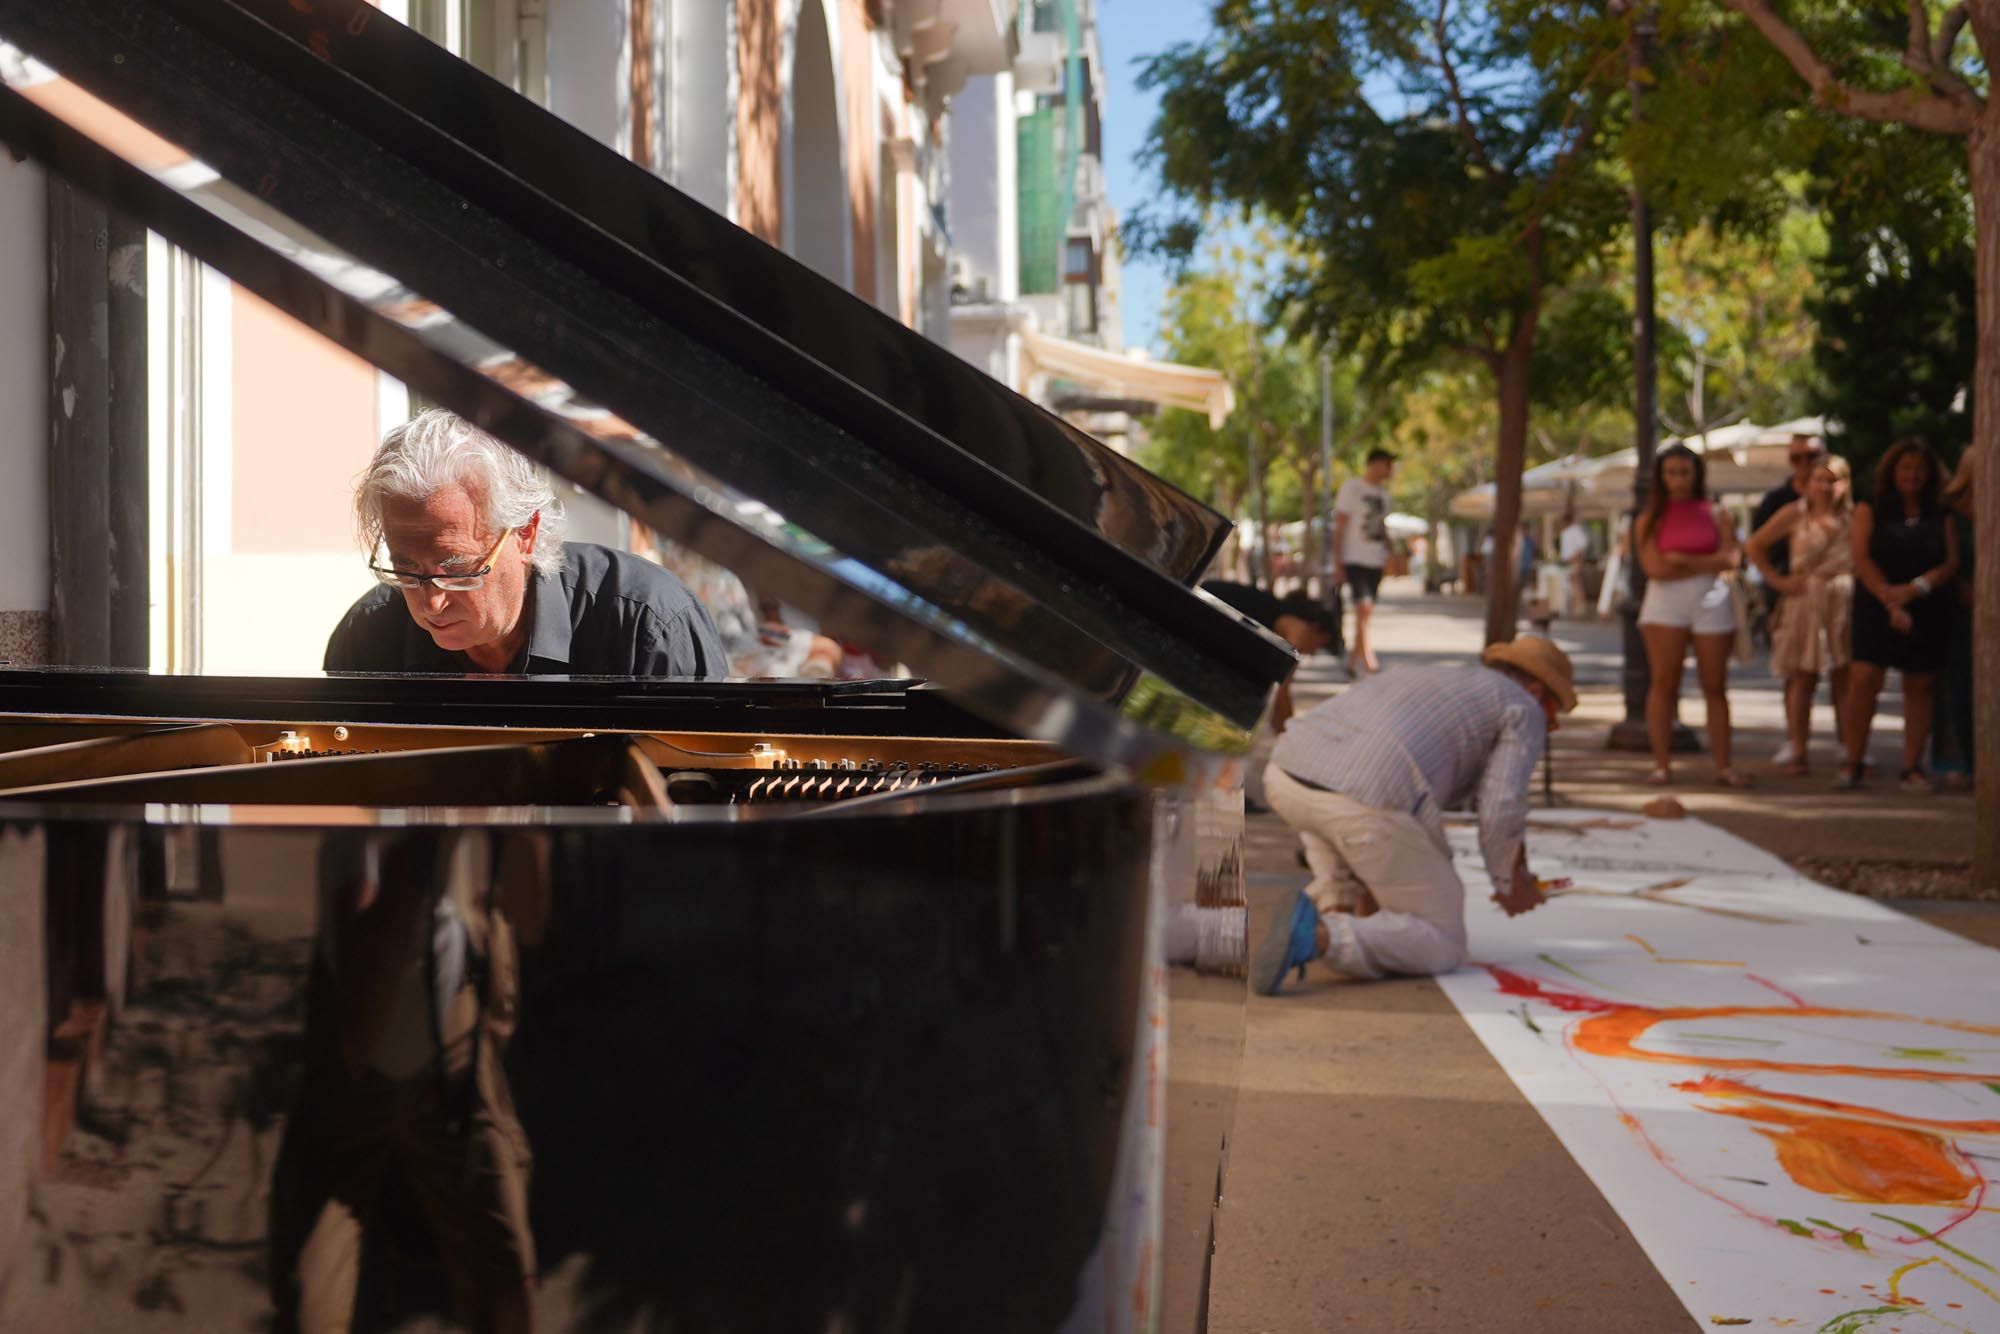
<point>1703,963</point>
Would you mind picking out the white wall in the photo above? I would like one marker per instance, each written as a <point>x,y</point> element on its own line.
<point>982,201</point>
<point>588,81</point>
<point>817,217</point>
<point>699,118</point>
<point>24,387</point>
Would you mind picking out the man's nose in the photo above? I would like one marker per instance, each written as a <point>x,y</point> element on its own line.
<point>435,598</point>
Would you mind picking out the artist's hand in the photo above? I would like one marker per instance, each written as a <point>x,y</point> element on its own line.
<point>1901,621</point>
<point>1523,893</point>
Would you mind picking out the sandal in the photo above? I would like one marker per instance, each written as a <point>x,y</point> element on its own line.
<point>1730,778</point>
<point>1917,783</point>
<point>1847,778</point>
<point>1659,778</point>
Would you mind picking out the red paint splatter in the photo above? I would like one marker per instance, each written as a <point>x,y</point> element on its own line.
<point>1514,984</point>
<point>1769,985</point>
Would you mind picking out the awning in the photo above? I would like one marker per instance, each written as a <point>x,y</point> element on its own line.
<point>1192,387</point>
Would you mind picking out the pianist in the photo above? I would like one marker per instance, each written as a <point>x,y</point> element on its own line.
<point>465,537</point>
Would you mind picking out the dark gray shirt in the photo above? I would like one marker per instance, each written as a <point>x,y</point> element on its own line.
<point>606,613</point>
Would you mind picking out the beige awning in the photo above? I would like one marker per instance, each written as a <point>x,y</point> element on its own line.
<point>1162,382</point>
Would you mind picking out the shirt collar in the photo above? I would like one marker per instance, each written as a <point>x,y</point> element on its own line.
<point>549,632</point>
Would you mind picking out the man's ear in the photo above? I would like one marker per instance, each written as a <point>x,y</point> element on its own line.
<point>528,532</point>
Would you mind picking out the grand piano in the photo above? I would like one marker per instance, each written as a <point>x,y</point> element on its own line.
<point>879,1005</point>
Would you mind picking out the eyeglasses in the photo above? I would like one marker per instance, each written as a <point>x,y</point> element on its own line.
<point>450,583</point>
<point>1804,456</point>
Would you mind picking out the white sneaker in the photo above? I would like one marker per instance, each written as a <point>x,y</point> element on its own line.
<point>1787,754</point>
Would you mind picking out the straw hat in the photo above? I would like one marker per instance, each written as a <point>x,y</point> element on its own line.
<point>1540,659</point>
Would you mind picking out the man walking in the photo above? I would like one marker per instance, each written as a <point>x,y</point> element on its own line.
<point>1366,777</point>
<point>1361,546</point>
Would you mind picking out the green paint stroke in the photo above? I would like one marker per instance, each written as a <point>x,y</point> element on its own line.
<point>1852,1322</point>
<point>1852,1236</point>
<point>1936,1240</point>
<point>1792,1225</point>
<point>1554,962</point>
<point>1994,1087</point>
<point>1527,1019</point>
<point>1927,1054</point>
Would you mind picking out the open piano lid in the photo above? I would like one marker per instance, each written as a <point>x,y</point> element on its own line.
<point>434,222</point>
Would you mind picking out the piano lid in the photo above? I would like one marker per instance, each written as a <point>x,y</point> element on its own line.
<point>467,241</point>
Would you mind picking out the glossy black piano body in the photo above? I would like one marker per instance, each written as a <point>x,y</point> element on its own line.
<point>837,1006</point>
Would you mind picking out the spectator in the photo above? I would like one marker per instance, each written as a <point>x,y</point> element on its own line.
<point>1951,734</point>
<point>1308,626</point>
<point>1573,549</point>
<point>1803,454</point>
<point>1361,546</point>
<point>1813,636</point>
<point>1685,545</point>
<point>1905,555</point>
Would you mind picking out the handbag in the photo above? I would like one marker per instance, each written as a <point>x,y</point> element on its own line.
<point>1743,650</point>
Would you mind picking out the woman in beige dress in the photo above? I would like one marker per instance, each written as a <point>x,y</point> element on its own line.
<point>1816,599</point>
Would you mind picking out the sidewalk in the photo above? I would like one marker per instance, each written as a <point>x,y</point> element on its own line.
<point>1878,840</point>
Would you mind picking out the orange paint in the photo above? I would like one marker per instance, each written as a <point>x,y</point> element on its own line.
<point>1614,1032</point>
<point>1860,1161</point>
<point>1717,1086</point>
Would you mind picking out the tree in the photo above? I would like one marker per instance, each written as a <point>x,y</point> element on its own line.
<point>1914,68</point>
<point>1896,306</point>
<point>1441,167</point>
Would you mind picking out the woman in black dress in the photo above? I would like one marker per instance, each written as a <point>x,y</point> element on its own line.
<point>1904,556</point>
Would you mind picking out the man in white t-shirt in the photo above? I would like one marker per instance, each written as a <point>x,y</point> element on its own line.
<point>1574,549</point>
<point>1361,545</point>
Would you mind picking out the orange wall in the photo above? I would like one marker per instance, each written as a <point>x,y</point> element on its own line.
<point>303,426</point>
<point>857,77</point>
<point>759,120</point>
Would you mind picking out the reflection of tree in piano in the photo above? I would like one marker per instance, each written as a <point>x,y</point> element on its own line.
<point>160,1191</point>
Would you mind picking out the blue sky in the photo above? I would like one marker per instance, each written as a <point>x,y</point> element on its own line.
<point>1128,30</point>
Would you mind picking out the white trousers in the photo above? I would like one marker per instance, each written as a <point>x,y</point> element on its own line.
<point>1420,928</point>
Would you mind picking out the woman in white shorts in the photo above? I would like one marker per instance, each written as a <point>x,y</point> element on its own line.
<point>1686,545</point>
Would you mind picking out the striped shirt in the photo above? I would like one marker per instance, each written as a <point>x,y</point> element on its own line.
<point>1424,740</point>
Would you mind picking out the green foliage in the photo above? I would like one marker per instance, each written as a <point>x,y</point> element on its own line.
<point>1430,201</point>
<point>1214,317</point>
<point>1896,309</point>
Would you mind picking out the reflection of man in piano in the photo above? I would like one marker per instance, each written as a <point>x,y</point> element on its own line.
<point>465,536</point>
<point>403,1141</point>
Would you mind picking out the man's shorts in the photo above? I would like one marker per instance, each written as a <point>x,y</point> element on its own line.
<point>1363,581</point>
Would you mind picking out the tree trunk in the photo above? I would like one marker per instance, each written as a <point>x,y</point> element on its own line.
<point>1512,455</point>
<point>1985,162</point>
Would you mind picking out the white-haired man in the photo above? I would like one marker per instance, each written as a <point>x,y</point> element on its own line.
<point>465,536</point>
<point>1366,778</point>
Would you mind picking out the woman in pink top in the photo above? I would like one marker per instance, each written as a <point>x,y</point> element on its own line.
<point>1685,546</point>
